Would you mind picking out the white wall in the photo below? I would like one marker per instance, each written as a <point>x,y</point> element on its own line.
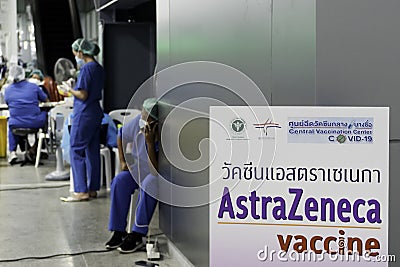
<point>8,32</point>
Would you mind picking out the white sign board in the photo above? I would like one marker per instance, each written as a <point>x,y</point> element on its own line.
<point>304,186</point>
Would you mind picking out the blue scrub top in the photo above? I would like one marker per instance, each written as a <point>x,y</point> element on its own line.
<point>129,133</point>
<point>23,99</point>
<point>91,79</point>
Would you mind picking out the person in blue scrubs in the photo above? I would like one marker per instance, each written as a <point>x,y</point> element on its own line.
<point>22,98</point>
<point>37,77</point>
<point>141,133</point>
<point>85,127</point>
<point>111,137</point>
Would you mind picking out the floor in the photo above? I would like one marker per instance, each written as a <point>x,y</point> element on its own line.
<point>35,223</point>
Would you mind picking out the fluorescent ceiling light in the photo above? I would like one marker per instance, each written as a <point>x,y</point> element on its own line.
<point>106,5</point>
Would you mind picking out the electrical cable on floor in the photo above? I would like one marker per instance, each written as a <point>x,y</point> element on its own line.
<point>33,187</point>
<point>65,254</point>
<point>56,255</point>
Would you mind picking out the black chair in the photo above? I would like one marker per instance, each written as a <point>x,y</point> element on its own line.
<point>24,132</point>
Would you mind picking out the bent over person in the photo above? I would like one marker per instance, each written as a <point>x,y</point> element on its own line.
<point>142,175</point>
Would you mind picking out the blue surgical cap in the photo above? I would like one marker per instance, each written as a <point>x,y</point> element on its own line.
<point>151,107</point>
<point>87,47</point>
<point>38,72</point>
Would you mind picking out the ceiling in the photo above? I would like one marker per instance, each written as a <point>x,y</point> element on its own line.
<point>88,5</point>
<point>120,4</point>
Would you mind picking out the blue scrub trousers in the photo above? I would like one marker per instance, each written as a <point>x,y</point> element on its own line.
<point>14,140</point>
<point>122,187</point>
<point>85,152</point>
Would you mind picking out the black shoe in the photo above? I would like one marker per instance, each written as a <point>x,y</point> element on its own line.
<point>29,157</point>
<point>132,242</point>
<point>116,240</point>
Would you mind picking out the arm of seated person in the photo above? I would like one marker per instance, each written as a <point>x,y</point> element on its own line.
<point>122,161</point>
<point>150,135</point>
<point>41,95</point>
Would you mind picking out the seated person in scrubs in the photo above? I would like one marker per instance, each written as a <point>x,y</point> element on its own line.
<point>141,175</point>
<point>22,98</point>
<point>36,77</point>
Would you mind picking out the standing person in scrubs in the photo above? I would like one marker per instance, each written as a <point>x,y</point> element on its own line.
<point>85,127</point>
<point>22,98</point>
<point>141,132</point>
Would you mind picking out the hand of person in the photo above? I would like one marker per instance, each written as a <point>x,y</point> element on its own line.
<point>70,82</point>
<point>150,132</point>
<point>64,89</point>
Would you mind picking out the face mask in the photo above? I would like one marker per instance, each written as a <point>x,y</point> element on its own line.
<point>35,81</point>
<point>79,62</point>
<point>142,123</point>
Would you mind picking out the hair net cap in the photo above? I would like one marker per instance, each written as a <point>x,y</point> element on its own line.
<point>17,73</point>
<point>151,107</point>
<point>37,72</point>
<point>76,44</point>
<point>87,47</point>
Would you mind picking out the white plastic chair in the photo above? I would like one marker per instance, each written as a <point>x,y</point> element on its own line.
<point>55,126</point>
<point>105,160</point>
<point>122,116</point>
<point>41,136</point>
<point>57,117</point>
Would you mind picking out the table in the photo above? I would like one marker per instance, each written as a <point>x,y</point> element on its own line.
<point>44,105</point>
